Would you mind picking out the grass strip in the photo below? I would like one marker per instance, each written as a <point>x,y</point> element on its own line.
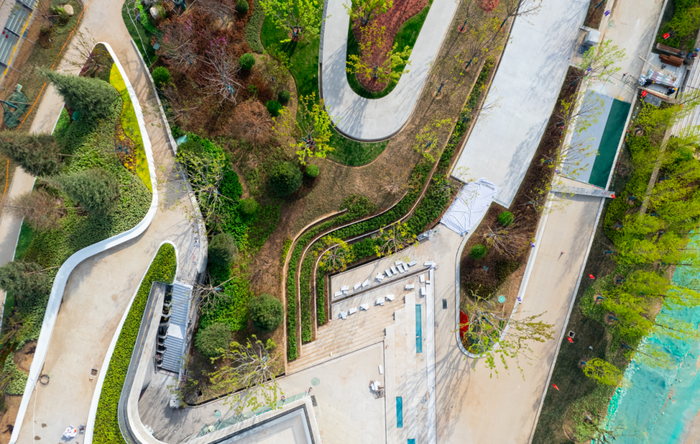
<point>162,269</point>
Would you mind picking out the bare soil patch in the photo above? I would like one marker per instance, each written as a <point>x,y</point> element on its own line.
<point>8,416</point>
<point>595,15</point>
<point>25,356</point>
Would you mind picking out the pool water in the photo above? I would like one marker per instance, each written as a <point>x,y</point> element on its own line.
<point>656,403</point>
<point>419,330</point>
<point>399,412</point>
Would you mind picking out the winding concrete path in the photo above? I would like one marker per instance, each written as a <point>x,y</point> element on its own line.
<point>100,289</point>
<point>377,119</point>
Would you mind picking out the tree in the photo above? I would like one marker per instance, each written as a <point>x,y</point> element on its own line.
<point>26,281</point>
<point>391,240</point>
<point>220,12</point>
<point>598,61</point>
<point>311,130</point>
<point>378,60</point>
<point>510,240</point>
<point>91,98</point>
<point>478,252</point>
<point>222,250</point>
<point>213,340</point>
<point>520,8</point>
<point>253,122</point>
<point>247,61</point>
<point>285,178</point>
<point>427,138</point>
<point>274,68</point>
<point>365,10</point>
<point>37,154</point>
<point>38,208</point>
<point>337,256</point>
<point>266,312</point>
<point>96,190</point>
<point>179,108</point>
<point>178,46</point>
<point>221,75</point>
<point>248,206</point>
<point>161,76</point>
<point>300,17</point>
<point>487,337</point>
<point>247,373</point>
<point>603,372</point>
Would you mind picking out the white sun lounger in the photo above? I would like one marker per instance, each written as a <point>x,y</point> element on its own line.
<point>397,263</point>
<point>422,278</point>
<point>422,292</point>
<point>343,315</point>
<point>390,297</point>
<point>427,281</point>
<point>345,288</point>
<point>388,273</point>
<point>379,277</point>
<point>356,286</point>
<point>412,263</point>
<point>394,271</point>
<point>409,287</point>
<point>401,269</point>
<point>364,307</point>
<point>353,310</point>
<point>365,284</point>
<point>337,293</point>
<point>380,301</point>
<point>429,264</point>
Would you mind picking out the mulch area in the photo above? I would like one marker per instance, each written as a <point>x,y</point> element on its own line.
<point>391,21</point>
<point>594,15</point>
<point>488,276</point>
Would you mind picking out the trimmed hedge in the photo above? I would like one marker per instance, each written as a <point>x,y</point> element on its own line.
<point>162,269</point>
<point>252,29</point>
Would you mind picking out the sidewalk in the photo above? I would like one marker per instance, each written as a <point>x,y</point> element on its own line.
<point>377,119</point>
<point>100,289</point>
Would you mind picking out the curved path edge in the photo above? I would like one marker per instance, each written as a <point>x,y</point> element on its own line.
<point>59,284</point>
<point>373,120</point>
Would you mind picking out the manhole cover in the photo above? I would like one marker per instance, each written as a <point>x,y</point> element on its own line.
<point>315,381</point>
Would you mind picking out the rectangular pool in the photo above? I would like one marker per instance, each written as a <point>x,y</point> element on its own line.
<point>399,412</point>
<point>419,330</point>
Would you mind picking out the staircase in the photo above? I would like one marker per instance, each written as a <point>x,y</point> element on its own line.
<point>173,328</point>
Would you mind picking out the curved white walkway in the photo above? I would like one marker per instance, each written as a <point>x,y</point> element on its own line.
<point>377,119</point>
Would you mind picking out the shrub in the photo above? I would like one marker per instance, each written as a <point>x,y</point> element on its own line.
<point>312,171</point>
<point>284,96</point>
<point>252,29</point>
<point>222,250</point>
<point>242,7</point>
<point>247,61</point>
<point>478,252</point>
<point>285,178</point>
<point>211,340</point>
<point>91,98</point>
<point>96,190</point>
<point>273,107</point>
<point>161,76</point>
<point>248,206</point>
<point>231,186</point>
<point>505,218</point>
<point>192,147</point>
<point>266,312</point>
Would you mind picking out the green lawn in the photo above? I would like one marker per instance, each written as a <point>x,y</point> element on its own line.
<point>407,36</point>
<point>303,58</point>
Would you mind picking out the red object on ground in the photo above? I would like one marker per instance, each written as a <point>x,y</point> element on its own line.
<point>613,196</point>
<point>644,93</point>
<point>463,322</point>
<point>555,386</point>
<point>667,35</point>
<point>488,5</point>
<point>591,276</point>
<point>570,340</point>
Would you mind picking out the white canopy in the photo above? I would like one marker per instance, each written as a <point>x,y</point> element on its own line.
<point>470,206</point>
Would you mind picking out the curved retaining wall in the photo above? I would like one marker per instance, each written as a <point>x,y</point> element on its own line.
<point>59,284</point>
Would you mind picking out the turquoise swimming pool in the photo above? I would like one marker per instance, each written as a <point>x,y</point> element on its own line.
<point>419,330</point>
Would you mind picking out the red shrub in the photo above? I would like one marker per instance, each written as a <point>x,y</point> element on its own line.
<point>488,5</point>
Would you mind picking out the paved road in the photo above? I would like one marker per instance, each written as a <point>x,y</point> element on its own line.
<point>377,119</point>
<point>99,290</point>
<point>524,92</point>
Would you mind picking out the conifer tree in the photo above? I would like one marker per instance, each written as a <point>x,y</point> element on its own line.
<point>38,154</point>
<point>91,98</point>
<point>96,190</point>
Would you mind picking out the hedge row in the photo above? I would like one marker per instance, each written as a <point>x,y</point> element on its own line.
<point>162,269</point>
<point>253,27</point>
<point>437,197</point>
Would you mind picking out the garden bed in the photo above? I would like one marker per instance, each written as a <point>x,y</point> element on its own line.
<point>488,277</point>
<point>596,11</point>
<point>682,26</point>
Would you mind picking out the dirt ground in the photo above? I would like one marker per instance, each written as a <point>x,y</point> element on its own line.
<point>7,418</point>
<point>24,356</point>
<point>594,15</point>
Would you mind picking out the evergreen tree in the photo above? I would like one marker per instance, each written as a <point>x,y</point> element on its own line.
<point>38,154</point>
<point>222,250</point>
<point>91,98</point>
<point>24,280</point>
<point>96,190</point>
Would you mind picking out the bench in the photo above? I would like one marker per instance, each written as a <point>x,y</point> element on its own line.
<point>671,60</point>
<point>669,50</point>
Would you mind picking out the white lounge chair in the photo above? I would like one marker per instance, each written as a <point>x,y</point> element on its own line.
<point>356,286</point>
<point>427,281</point>
<point>401,269</point>
<point>422,278</point>
<point>422,292</point>
<point>380,301</point>
<point>337,293</point>
<point>344,288</point>
<point>388,273</point>
<point>343,315</point>
<point>409,287</point>
<point>365,284</point>
<point>353,310</point>
<point>379,277</point>
<point>390,297</point>
<point>429,264</point>
<point>364,307</point>
<point>412,263</point>
<point>397,263</point>
<point>394,270</point>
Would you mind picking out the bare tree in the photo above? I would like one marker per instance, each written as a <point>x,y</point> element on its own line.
<point>221,12</point>
<point>221,77</point>
<point>510,241</point>
<point>179,107</point>
<point>253,122</point>
<point>38,208</point>
<point>178,47</point>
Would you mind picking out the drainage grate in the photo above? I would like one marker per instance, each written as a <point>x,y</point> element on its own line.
<point>444,304</point>
<point>313,401</point>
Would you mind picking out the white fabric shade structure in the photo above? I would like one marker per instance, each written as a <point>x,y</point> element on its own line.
<point>470,206</point>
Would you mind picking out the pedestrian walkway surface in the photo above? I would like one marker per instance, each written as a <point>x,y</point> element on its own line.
<point>377,119</point>
<point>524,92</point>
